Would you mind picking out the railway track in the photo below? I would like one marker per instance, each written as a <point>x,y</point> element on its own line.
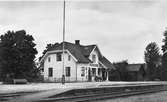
<point>88,97</point>
<point>6,97</point>
<point>9,96</point>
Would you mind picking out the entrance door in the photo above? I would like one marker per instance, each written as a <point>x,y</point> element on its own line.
<point>89,75</point>
<point>103,74</point>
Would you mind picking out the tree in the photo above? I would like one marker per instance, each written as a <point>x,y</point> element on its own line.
<point>17,54</point>
<point>48,47</point>
<point>164,58</point>
<point>152,58</point>
<point>121,67</point>
<point>164,47</point>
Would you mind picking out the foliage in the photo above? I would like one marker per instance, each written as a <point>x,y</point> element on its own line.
<point>164,47</point>
<point>121,68</point>
<point>164,67</point>
<point>164,58</point>
<point>48,47</point>
<point>152,59</point>
<point>152,53</point>
<point>17,54</point>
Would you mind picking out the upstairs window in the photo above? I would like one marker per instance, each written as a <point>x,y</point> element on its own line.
<point>58,57</point>
<point>69,58</point>
<point>82,71</point>
<point>48,59</point>
<point>94,58</point>
<point>50,72</point>
<point>68,71</point>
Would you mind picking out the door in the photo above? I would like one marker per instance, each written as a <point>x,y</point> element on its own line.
<point>89,75</point>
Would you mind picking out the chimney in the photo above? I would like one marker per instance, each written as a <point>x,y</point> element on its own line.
<point>77,42</point>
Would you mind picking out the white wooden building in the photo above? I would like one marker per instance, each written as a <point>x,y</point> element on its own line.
<point>82,63</point>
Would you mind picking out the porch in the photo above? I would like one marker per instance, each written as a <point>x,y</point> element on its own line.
<point>97,74</point>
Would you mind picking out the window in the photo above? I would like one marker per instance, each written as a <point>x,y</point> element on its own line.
<point>48,59</point>
<point>58,56</point>
<point>69,57</point>
<point>82,71</point>
<point>50,72</point>
<point>68,73</point>
<point>99,71</point>
<point>94,71</point>
<point>94,58</point>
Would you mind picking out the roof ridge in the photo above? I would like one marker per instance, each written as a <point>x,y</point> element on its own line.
<point>80,44</point>
<point>89,45</point>
<point>136,63</point>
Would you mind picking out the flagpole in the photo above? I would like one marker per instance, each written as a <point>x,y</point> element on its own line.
<point>63,75</point>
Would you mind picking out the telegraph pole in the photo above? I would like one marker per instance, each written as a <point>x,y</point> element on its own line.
<point>63,75</point>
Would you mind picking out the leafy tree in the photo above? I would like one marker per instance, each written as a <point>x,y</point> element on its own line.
<point>17,54</point>
<point>152,58</point>
<point>164,47</point>
<point>48,47</point>
<point>164,58</point>
<point>121,68</point>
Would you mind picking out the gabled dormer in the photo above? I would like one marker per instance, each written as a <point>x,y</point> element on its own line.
<point>95,55</point>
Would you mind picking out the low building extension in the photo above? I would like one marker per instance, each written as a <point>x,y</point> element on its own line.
<point>136,72</point>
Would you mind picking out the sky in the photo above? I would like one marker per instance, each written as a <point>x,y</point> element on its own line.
<point>121,28</point>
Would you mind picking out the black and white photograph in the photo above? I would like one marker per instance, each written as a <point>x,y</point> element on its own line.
<point>83,50</point>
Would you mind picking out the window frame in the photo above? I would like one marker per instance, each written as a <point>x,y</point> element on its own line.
<point>93,58</point>
<point>82,71</point>
<point>58,57</point>
<point>50,72</point>
<point>49,59</point>
<point>68,71</point>
<point>69,58</point>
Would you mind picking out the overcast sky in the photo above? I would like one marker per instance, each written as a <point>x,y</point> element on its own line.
<point>120,28</point>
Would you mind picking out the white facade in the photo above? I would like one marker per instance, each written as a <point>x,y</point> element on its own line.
<point>58,67</point>
<point>78,71</point>
<point>95,65</point>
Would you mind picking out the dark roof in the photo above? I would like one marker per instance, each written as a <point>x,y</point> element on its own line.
<point>134,67</point>
<point>106,62</point>
<point>81,52</point>
<point>86,50</point>
<point>75,50</point>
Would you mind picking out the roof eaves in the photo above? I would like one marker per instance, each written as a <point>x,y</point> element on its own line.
<point>102,64</point>
<point>55,51</point>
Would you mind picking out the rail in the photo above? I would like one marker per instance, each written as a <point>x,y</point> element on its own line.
<point>93,94</point>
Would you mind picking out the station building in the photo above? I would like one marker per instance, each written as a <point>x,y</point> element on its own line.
<point>81,63</point>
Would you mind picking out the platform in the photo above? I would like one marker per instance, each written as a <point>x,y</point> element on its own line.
<point>49,89</point>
